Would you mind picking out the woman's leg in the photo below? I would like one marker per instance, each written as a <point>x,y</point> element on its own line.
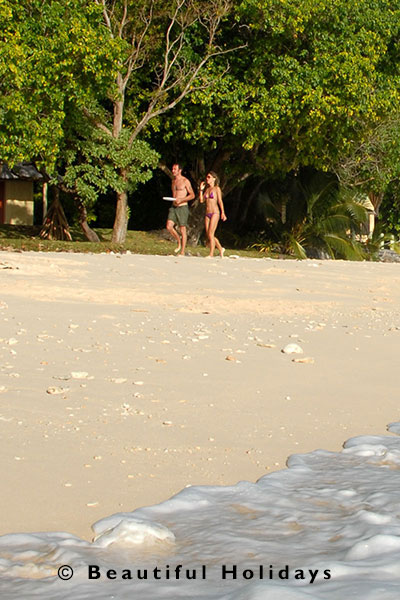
<point>206,226</point>
<point>221,250</point>
<point>211,230</point>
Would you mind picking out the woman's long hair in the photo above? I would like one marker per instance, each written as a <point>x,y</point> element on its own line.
<point>213,174</point>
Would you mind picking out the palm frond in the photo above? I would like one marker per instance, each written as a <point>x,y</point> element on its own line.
<point>335,223</point>
<point>343,247</point>
<point>295,246</point>
<point>358,214</point>
<point>318,196</point>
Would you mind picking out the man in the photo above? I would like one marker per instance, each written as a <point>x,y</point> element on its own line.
<point>178,214</point>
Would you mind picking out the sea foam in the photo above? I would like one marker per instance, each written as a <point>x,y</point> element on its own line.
<point>328,526</point>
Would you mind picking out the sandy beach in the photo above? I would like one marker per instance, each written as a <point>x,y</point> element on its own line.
<point>125,378</point>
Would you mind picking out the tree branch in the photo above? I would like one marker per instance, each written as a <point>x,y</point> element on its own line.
<point>99,124</point>
<point>106,16</point>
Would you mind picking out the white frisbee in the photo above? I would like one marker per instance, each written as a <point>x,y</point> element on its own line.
<point>168,198</point>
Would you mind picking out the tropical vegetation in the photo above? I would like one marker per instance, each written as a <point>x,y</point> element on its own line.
<point>295,103</point>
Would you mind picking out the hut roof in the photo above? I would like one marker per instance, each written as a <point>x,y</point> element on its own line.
<point>25,171</point>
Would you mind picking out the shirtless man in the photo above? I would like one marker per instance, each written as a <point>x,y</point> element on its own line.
<point>178,214</point>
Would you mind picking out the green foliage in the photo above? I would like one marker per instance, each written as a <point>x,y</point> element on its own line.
<point>380,240</point>
<point>313,81</point>
<point>316,86</point>
<point>315,219</point>
<point>373,163</point>
<point>54,57</point>
<point>389,214</point>
<point>100,162</point>
<point>319,80</point>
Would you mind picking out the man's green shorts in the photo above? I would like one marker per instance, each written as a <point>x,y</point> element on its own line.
<point>179,215</point>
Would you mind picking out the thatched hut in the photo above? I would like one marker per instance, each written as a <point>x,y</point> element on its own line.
<point>16,194</point>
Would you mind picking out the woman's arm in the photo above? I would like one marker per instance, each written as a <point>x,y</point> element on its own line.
<point>220,203</point>
<point>201,193</point>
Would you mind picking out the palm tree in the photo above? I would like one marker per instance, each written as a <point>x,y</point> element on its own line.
<point>321,220</point>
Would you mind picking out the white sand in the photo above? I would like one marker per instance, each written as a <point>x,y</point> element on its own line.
<point>168,371</point>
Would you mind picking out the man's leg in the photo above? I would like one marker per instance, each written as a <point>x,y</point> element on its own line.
<point>184,239</point>
<point>171,229</point>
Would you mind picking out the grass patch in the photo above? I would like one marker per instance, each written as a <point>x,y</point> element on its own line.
<point>25,238</point>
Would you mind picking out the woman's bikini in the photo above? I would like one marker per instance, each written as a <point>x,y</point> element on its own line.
<point>210,214</point>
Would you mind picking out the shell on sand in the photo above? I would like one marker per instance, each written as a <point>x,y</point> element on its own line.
<point>292,349</point>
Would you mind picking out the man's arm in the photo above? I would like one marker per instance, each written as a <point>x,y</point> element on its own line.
<point>189,190</point>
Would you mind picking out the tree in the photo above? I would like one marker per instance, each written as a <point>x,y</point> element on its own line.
<point>324,75</point>
<point>317,218</point>
<point>164,47</point>
<point>105,83</point>
<point>84,80</point>
<point>373,163</point>
<point>315,85</point>
<point>54,59</point>
<point>95,162</point>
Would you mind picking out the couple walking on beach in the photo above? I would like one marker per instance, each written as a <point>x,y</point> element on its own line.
<point>178,214</point>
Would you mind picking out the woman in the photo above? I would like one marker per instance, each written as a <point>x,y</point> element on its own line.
<point>210,192</point>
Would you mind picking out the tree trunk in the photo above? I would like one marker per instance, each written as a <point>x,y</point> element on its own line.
<point>55,225</point>
<point>90,235</point>
<point>121,219</point>
<point>44,201</point>
<point>120,226</point>
<point>233,205</point>
<point>283,207</point>
<point>248,201</point>
<point>376,199</point>
<point>195,223</point>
